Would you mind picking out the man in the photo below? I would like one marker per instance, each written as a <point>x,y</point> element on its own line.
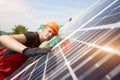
<point>20,47</point>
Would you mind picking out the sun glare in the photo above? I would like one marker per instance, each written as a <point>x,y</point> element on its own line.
<point>111,50</point>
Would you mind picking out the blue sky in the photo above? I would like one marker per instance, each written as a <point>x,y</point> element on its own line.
<point>32,13</point>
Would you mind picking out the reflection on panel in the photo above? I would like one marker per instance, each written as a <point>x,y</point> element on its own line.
<point>89,51</point>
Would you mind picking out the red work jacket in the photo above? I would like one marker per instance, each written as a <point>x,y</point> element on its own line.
<point>10,63</point>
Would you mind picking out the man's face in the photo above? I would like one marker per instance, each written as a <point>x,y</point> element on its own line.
<point>48,33</point>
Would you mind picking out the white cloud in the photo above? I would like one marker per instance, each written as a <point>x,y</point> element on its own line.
<point>11,6</point>
<point>14,12</point>
<point>10,13</point>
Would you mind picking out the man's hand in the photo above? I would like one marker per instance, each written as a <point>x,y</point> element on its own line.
<point>36,51</point>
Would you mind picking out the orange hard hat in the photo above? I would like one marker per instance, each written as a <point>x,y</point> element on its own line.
<point>54,26</point>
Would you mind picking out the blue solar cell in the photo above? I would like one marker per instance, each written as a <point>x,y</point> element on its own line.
<point>104,68</point>
<point>90,64</point>
<point>117,77</point>
<point>115,5</point>
<point>109,19</point>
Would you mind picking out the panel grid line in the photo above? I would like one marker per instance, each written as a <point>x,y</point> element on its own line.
<point>43,78</point>
<point>86,23</point>
<point>26,68</point>
<point>99,47</point>
<point>68,66</point>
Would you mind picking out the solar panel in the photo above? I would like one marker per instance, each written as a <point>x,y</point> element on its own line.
<point>90,51</point>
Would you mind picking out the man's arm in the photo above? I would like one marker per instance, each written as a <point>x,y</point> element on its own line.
<point>14,42</point>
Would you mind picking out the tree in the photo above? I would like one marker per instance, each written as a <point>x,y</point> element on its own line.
<point>0,32</point>
<point>19,29</point>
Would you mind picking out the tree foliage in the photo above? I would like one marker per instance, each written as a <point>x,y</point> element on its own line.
<point>0,32</point>
<point>19,29</point>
